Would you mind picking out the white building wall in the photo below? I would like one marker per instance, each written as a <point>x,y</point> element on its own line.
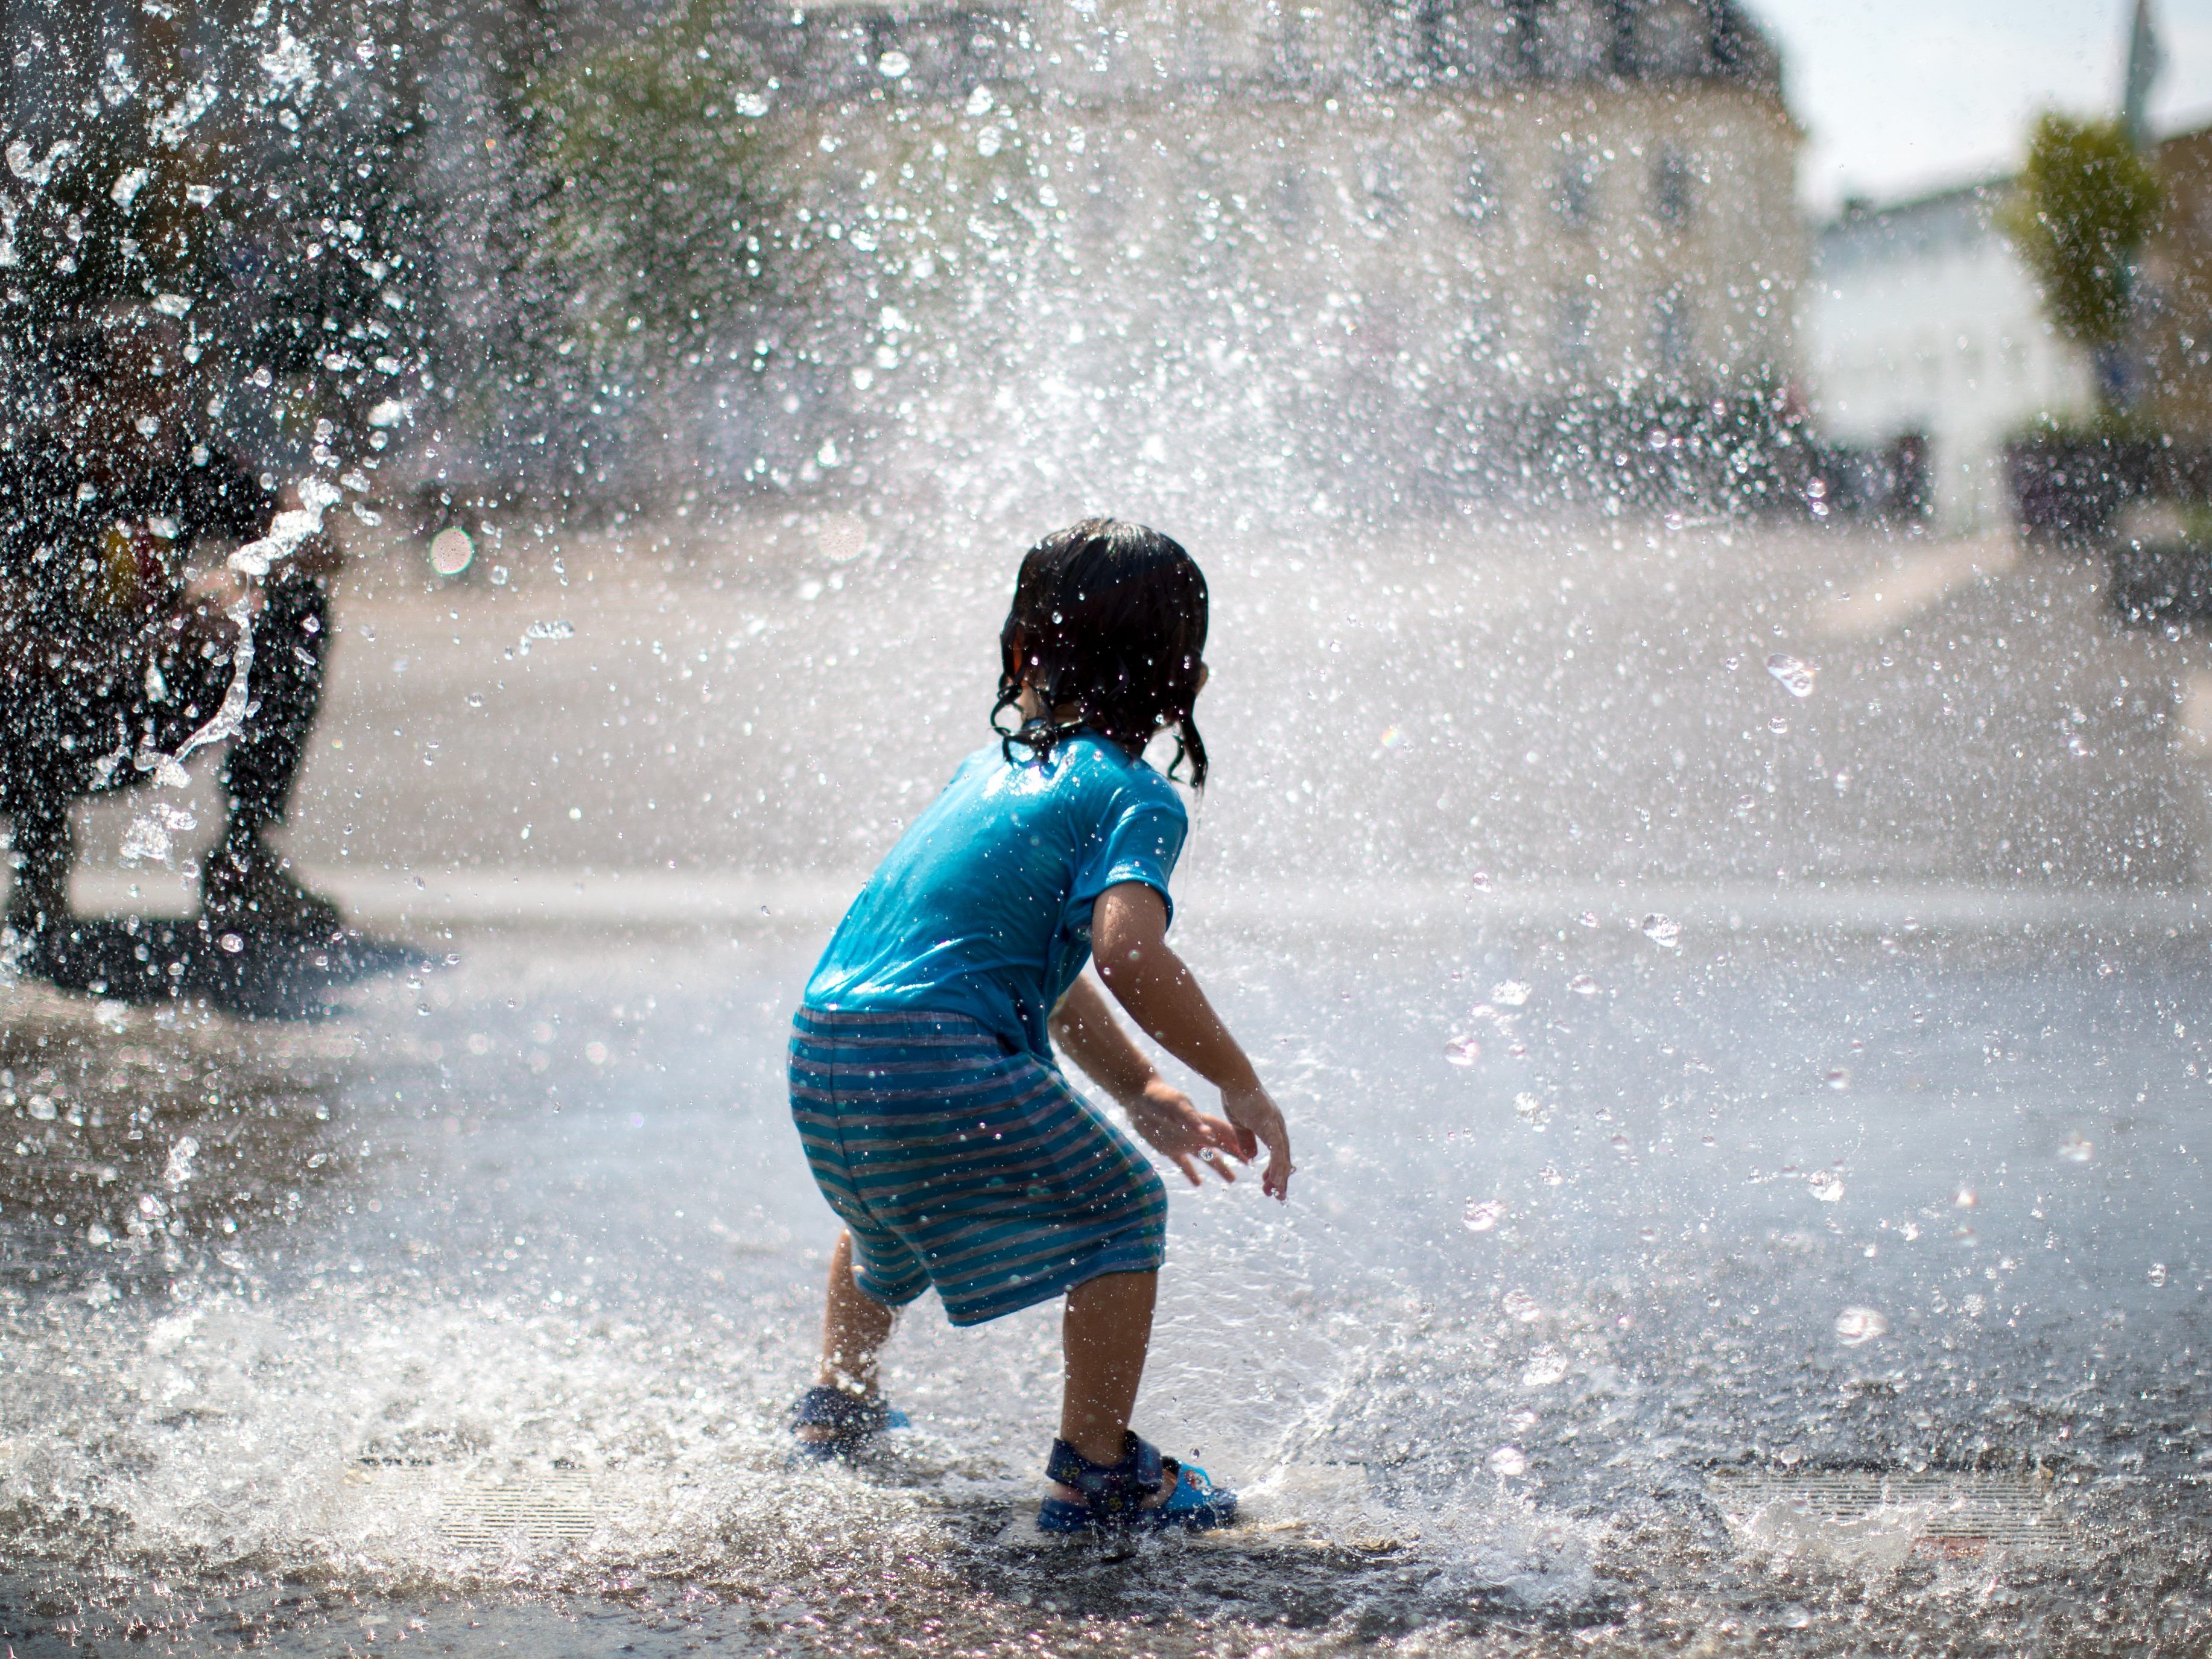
<point>1921,318</point>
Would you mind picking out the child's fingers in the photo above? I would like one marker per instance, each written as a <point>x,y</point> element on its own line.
<point>1231,1138</point>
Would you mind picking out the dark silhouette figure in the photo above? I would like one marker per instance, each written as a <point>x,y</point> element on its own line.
<point>115,646</point>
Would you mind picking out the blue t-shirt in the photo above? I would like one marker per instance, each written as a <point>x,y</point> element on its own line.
<point>983,908</point>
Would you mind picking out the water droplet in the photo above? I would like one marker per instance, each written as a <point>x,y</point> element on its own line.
<point>893,65</point>
<point>2077,1148</point>
<point>988,142</point>
<point>1462,1051</point>
<point>450,553</point>
<point>1510,993</point>
<point>1482,1217</point>
<point>179,1170</point>
<point>1662,931</point>
<point>233,943</point>
<point>1533,1111</point>
<point>1840,1078</point>
<point>750,105</point>
<point>1620,1144</point>
<point>1509,1461</point>
<point>549,630</point>
<point>1543,1370</point>
<point>596,1053</point>
<point>2157,1274</point>
<point>42,1109</point>
<point>1588,919</point>
<point>1583,986</point>
<point>1778,724</point>
<point>317,1160</point>
<point>1794,677</point>
<point>1857,1325</point>
<point>1826,1185</point>
<point>1965,1198</point>
<point>979,102</point>
<point>96,1235</point>
<point>1479,881</point>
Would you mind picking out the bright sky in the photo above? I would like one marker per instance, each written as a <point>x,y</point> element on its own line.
<point>1898,96</point>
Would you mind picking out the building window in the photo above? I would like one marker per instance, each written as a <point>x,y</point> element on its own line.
<point>1287,203</point>
<point>1384,183</point>
<point>1673,332</point>
<point>1674,188</point>
<point>1483,333</point>
<point>1673,39</point>
<point>1577,198</point>
<point>1574,325</point>
<point>1478,192</point>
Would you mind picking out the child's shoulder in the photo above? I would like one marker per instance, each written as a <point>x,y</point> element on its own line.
<point>1106,772</point>
<point>1085,773</point>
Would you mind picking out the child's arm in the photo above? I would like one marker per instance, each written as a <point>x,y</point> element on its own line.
<point>1086,1031</point>
<point>1128,941</point>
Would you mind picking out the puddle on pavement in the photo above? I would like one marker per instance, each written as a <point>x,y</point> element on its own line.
<point>470,1317</point>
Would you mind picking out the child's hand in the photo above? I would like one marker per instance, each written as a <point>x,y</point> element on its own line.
<point>1164,1115</point>
<point>1259,1123</point>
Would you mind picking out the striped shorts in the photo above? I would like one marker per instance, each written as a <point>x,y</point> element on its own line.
<point>958,1164</point>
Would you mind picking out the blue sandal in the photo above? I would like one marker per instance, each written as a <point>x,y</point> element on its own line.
<point>1114,1494</point>
<point>852,1419</point>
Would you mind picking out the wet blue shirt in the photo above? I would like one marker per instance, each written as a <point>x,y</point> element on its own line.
<point>983,908</point>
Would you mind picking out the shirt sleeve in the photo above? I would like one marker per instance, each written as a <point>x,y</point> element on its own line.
<point>1139,842</point>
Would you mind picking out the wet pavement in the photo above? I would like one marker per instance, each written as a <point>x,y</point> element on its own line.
<point>1719,1230</point>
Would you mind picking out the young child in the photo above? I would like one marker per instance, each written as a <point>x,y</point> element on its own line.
<point>923,1076</point>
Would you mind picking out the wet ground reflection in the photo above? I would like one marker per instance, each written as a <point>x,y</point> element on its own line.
<point>512,1373</point>
<point>151,1143</point>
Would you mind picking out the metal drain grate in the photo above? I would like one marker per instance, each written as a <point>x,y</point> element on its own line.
<point>527,1506</point>
<point>1939,1513</point>
<point>549,1508</point>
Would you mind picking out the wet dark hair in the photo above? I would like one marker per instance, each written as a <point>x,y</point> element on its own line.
<point>1108,618</point>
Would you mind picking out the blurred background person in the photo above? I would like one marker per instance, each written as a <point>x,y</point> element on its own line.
<point>116,643</point>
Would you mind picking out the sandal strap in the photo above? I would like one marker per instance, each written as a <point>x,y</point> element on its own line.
<point>1109,1489</point>
<point>834,1408</point>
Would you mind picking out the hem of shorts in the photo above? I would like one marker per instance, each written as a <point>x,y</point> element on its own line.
<point>1114,1257</point>
<point>881,1301</point>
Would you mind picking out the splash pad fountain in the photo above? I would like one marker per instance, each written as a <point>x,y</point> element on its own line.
<point>1754,1188</point>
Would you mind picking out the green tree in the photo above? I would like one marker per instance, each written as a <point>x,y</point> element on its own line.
<point>2083,205</point>
<point>660,216</point>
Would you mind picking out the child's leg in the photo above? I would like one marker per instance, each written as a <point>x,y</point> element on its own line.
<point>855,1328</point>
<point>1104,1335</point>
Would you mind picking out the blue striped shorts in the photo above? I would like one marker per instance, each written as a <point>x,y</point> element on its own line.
<point>958,1164</point>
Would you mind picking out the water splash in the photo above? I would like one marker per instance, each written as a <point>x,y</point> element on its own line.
<point>1792,675</point>
<point>1856,1326</point>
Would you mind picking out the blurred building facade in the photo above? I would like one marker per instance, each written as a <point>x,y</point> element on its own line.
<point>1436,226</point>
<point>1924,331</point>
